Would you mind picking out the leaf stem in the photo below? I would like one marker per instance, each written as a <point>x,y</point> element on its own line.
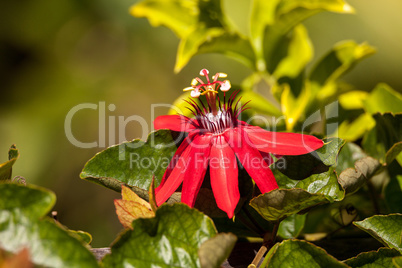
<point>266,246</point>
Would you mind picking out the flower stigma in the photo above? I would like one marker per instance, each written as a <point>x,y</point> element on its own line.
<point>218,115</point>
<point>209,89</point>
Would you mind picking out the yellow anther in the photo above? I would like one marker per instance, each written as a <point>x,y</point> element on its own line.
<point>188,88</point>
<point>194,82</point>
<point>222,75</point>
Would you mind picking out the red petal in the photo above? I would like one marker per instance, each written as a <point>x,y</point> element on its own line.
<point>224,175</point>
<point>251,160</point>
<point>173,162</point>
<point>282,143</point>
<point>195,171</point>
<point>176,157</point>
<point>175,122</point>
<point>168,186</point>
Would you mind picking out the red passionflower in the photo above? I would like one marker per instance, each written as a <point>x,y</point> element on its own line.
<point>215,138</point>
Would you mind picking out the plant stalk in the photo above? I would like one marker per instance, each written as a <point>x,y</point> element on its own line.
<point>266,246</point>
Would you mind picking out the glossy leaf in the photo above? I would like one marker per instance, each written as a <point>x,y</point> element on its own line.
<point>354,130</point>
<point>291,226</point>
<point>132,163</point>
<point>299,53</point>
<point>198,24</point>
<point>383,99</point>
<point>278,204</point>
<point>341,59</point>
<point>230,44</point>
<point>387,132</point>
<point>6,167</point>
<point>312,172</point>
<point>171,239</point>
<point>352,179</point>
<point>296,253</point>
<point>49,244</point>
<point>189,46</point>
<point>32,201</point>
<point>216,250</point>
<point>385,228</point>
<point>289,14</point>
<point>179,16</point>
<point>380,258</point>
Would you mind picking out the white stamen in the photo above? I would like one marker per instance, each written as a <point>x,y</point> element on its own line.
<point>195,94</point>
<point>202,72</point>
<point>226,85</point>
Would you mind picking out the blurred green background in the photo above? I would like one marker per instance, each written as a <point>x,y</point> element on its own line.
<point>58,54</point>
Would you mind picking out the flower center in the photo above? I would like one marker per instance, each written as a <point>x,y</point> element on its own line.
<point>209,89</point>
<point>216,124</point>
<point>218,115</point>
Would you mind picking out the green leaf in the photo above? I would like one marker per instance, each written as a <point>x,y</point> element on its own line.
<point>387,132</point>
<point>312,172</point>
<point>352,179</point>
<point>353,99</point>
<point>259,103</point>
<point>394,153</point>
<point>354,130</point>
<point>179,16</point>
<point>278,204</point>
<point>230,44</point>
<point>216,250</point>
<point>385,228</point>
<point>300,52</point>
<point>171,239</point>
<point>198,24</point>
<point>290,13</point>
<point>6,167</point>
<point>381,258</point>
<point>296,253</point>
<point>348,155</point>
<point>32,201</point>
<point>262,14</point>
<point>190,45</point>
<point>293,107</point>
<point>50,245</point>
<point>291,226</point>
<point>81,235</point>
<point>287,6</point>
<point>341,59</point>
<point>132,163</point>
<point>397,262</point>
<point>383,99</point>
